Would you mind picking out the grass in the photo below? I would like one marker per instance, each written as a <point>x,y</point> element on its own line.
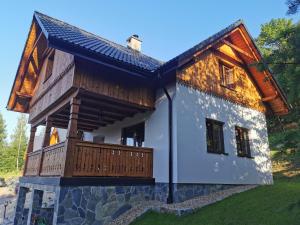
<point>278,204</point>
<point>11,174</point>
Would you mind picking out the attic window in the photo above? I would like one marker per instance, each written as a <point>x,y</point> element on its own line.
<point>227,75</point>
<point>49,66</point>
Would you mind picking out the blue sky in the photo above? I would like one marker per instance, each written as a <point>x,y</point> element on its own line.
<point>167,28</point>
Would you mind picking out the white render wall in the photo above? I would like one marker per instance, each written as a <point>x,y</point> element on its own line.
<point>156,134</point>
<point>195,165</point>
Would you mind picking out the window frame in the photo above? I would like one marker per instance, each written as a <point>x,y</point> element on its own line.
<point>49,71</point>
<point>210,149</point>
<point>138,141</point>
<point>243,144</point>
<point>224,80</point>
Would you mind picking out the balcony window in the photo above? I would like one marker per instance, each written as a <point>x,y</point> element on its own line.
<point>134,135</point>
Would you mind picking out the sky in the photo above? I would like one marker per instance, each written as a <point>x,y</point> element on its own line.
<point>167,28</point>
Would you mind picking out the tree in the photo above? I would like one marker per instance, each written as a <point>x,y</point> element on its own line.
<point>279,42</point>
<point>2,132</point>
<point>13,155</point>
<point>2,141</point>
<point>293,6</point>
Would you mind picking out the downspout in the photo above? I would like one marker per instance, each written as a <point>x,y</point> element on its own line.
<point>170,127</point>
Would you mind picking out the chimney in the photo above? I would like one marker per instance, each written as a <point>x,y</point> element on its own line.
<point>134,42</point>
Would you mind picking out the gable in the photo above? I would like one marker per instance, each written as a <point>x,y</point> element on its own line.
<point>236,43</point>
<point>205,75</point>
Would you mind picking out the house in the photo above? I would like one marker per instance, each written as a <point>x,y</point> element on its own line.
<point>137,128</point>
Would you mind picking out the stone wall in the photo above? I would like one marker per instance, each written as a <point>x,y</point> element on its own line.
<point>101,204</point>
<point>183,192</point>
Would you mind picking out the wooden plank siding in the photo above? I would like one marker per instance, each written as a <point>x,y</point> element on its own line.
<point>49,91</point>
<point>204,75</point>
<point>95,79</point>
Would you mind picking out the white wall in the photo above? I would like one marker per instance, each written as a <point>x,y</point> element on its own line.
<point>156,134</point>
<point>195,165</point>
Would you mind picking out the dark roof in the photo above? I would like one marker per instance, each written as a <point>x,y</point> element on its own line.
<point>55,29</point>
<point>58,30</point>
<point>188,53</point>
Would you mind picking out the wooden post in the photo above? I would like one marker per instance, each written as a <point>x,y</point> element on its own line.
<point>46,141</point>
<point>72,137</point>
<point>29,147</point>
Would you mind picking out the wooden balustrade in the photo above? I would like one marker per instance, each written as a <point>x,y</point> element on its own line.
<point>33,163</point>
<point>92,159</point>
<point>53,160</point>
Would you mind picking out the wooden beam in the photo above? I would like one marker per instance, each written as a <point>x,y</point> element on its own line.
<point>110,106</point>
<point>238,49</point>
<point>270,98</point>
<point>80,121</point>
<point>228,58</point>
<point>113,114</point>
<point>23,95</point>
<point>29,59</point>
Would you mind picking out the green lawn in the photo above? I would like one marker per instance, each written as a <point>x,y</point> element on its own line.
<point>278,204</point>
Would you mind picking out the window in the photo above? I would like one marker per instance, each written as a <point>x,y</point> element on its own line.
<point>134,135</point>
<point>242,142</point>
<point>49,66</point>
<point>214,136</point>
<point>99,139</point>
<point>227,75</point>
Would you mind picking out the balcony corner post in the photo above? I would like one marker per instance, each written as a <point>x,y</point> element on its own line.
<point>72,137</point>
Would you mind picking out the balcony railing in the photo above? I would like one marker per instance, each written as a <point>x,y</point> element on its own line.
<point>91,159</point>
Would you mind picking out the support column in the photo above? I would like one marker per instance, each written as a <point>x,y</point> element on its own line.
<point>35,206</point>
<point>72,137</point>
<point>29,147</point>
<point>19,211</point>
<point>46,140</point>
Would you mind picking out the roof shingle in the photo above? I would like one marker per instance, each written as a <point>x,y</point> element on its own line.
<point>73,35</point>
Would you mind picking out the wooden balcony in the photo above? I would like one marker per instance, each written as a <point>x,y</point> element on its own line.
<point>91,160</point>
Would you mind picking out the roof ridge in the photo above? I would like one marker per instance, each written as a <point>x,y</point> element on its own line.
<point>215,35</point>
<point>112,43</point>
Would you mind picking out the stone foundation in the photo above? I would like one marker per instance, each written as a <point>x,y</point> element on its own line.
<point>99,205</point>
<point>183,192</point>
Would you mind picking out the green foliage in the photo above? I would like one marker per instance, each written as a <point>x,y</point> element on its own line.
<point>279,41</point>
<point>284,140</point>
<point>293,6</point>
<point>2,132</point>
<point>12,156</point>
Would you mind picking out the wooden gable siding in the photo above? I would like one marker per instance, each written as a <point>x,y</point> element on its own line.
<point>94,79</point>
<point>49,91</point>
<point>204,75</point>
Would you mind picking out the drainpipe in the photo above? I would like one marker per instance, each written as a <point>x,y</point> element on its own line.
<point>170,127</point>
<point>170,123</point>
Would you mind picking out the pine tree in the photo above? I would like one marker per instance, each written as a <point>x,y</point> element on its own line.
<point>13,155</point>
<point>2,132</point>
<point>2,141</point>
